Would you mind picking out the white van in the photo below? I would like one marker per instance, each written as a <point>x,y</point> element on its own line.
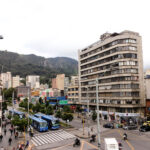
<point>111,144</point>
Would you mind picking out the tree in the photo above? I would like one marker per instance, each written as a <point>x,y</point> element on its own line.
<point>49,110</point>
<point>36,107</point>
<point>58,114</point>
<point>8,93</point>
<point>23,81</point>
<point>20,123</point>
<point>94,116</point>
<point>40,100</point>
<point>4,104</point>
<point>67,109</point>
<point>78,109</point>
<point>24,104</point>
<point>67,116</point>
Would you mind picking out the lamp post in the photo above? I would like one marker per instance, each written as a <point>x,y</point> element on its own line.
<point>98,124</point>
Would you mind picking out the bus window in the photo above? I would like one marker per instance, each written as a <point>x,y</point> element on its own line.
<point>43,124</point>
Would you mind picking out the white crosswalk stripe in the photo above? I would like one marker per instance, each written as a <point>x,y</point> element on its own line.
<point>51,137</point>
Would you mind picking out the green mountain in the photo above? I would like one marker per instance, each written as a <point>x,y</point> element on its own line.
<point>36,65</point>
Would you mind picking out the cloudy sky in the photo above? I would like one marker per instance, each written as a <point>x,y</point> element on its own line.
<point>52,28</point>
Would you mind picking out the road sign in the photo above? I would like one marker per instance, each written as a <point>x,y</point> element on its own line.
<point>63,102</point>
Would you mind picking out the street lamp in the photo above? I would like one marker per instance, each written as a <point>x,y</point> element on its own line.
<point>98,124</point>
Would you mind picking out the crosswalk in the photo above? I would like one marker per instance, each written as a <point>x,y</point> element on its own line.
<point>51,137</point>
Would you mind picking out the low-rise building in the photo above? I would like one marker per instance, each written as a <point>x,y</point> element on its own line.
<point>23,91</point>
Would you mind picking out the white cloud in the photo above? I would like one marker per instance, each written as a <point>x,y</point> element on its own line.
<point>53,28</point>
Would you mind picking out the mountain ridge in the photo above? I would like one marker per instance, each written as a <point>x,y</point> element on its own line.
<point>20,64</point>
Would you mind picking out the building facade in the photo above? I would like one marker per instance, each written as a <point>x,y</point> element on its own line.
<point>33,81</point>
<point>59,82</point>
<point>116,60</point>
<point>15,81</point>
<point>23,91</point>
<point>73,90</point>
<point>6,80</point>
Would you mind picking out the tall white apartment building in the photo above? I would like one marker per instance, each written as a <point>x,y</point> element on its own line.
<point>116,60</point>
<point>6,80</point>
<point>15,81</point>
<point>33,81</point>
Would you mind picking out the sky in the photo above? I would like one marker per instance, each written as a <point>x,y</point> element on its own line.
<point>55,28</point>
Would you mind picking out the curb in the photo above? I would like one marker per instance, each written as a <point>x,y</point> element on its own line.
<point>80,136</point>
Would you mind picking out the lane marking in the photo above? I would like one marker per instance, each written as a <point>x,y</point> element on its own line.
<point>91,145</point>
<point>129,144</point>
<point>82,144</point>
<point>62,146</point>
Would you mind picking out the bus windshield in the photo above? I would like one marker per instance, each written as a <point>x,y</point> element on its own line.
<point>55,122</point>
<point>43,124</point>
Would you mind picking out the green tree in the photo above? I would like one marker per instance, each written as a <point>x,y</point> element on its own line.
<point>40,100</point>
<point>8,93</point>
<point>67,116</point>
<point>49,110</point>
<point>67,109</point>
<point>4,104</point>
<point>94,116</point>
<point>78,109</point>
<point>20,123</point>
<point>58,114</point>
<point>23,81</point>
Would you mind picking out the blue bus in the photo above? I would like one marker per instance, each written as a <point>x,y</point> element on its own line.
<point>53,122</point>
<point>17,113</point>
<point>38,123</point>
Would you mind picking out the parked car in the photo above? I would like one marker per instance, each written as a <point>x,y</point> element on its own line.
<point>109,125</point>
<point>130,127</point>
<point>147,123</point>
<point>144,128</point>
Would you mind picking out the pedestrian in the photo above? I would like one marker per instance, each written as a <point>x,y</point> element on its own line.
<point>1,137</point>
<point>11,131</point>
<point>10,140</point>
<point>2,148</point>
<point>5,131</point>
<point>14,130</point>
<point>27,144</point>
<point>16,135</point>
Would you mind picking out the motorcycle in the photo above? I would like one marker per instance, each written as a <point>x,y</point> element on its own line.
<point>125,136</point>
<point>77,142</point>
<point>92,138</point>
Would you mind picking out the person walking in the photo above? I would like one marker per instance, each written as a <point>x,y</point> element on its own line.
<point>1,137</point>
<point>10,140</point>
<point>11,131</point>
<point>14,130</point>
<point>5,130</point>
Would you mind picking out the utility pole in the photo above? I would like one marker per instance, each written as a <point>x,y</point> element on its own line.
<point>98,124</point>
<point>88,111</point>
<point>28,105</point>
<point>13,100</point>
<point>1,100</point>
<point>1,105</point>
